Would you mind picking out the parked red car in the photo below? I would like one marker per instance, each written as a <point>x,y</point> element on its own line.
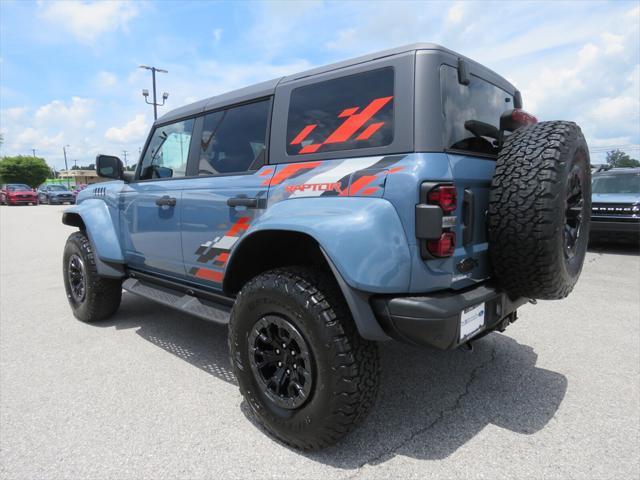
<point>17,193</point>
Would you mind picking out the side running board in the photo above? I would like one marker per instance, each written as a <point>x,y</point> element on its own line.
<point>178,300</point>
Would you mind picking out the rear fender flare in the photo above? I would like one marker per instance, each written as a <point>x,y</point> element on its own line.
<point>363,238</point>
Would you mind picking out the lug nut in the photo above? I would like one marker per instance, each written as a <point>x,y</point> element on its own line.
<point>277,352</point>
<point>279,364</point>
<point>293,352</point>
<point>284,345</point>
<point>288,371</point>
<point>295,366</point>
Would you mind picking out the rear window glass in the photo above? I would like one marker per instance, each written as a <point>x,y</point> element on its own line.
<point>345,113</point>
<point>467,107</point>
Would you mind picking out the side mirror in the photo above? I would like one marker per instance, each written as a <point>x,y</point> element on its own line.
<point>108,166</point>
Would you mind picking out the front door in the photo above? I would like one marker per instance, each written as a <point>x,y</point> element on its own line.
<point>230,191</point>
<point>151,206</point>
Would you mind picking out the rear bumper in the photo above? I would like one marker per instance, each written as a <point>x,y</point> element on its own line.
<point>434,319</point>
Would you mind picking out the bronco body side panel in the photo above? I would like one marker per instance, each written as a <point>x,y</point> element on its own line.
<point>363,238</point>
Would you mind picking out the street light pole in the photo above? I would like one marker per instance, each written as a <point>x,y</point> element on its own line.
<point>124,152</point>
<point>34,152</point>
<point>66,167</point>
<point>145,92</point>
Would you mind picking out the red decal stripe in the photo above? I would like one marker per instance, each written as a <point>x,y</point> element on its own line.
<point>347,112</point>
<point>266,172</point>
<point>304,133</point>
<point>290,170</point>
<point>370,130</point>
<point>354,122</point>
<point>207,274</point>
<point>369,191</point>
<point>241,224</point>
<point>394,170</point>
<point>313,147</point>
<point>358,185</point>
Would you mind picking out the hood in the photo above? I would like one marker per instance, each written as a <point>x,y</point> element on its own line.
<point>615,198</point>
<point>21,192</point>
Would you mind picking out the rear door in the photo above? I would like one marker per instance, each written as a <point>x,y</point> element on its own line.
<point>150,207</point>
<point>472,159</point>
<point>230,189</point>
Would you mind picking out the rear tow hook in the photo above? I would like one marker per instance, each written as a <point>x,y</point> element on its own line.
<point>466,347</point>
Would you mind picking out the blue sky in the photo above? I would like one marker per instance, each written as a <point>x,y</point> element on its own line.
<point>69,71</point>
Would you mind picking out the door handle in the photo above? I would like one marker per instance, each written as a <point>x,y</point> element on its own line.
<point>166,200</point>
<point>249,202</point>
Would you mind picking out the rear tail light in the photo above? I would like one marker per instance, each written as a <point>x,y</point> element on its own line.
<point>523,117</point>
<point>436,220</point>
<point>444,246</point>
<point>444,196</point>
<point>511,120</point>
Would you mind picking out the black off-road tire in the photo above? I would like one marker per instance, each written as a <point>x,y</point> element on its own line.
<point>540,191</point>
<point>345,367</point>
<point>102,295</point>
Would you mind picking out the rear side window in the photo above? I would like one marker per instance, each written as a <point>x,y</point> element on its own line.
<point>234,140</point>
<point>465,107</point>
<point>345,113</point>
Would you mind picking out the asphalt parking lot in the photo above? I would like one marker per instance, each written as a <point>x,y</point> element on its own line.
<point>150,394</point>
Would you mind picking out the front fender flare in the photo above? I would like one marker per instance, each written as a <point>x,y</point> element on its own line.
<point>363,237</point>
<point>102,232</point>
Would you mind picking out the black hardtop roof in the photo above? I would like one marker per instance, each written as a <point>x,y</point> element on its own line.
<point>267,88</point>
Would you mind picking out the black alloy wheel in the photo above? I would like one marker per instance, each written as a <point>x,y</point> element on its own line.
<point>281,361</point>
<point>77,278</point>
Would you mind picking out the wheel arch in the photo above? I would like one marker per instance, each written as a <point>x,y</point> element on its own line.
<point>94,219</point>
<point>264,250</point>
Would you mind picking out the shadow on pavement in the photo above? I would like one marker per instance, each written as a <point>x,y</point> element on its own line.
<point>617,248</point>
<point>430,402</point>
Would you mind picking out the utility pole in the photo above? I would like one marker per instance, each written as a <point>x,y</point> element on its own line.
<point>145,92</point>
<point>66,167</point>
<point>34,152</point>
<point>124,152</point>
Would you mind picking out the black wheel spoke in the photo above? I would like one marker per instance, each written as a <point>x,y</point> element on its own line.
<point>573,213</point>
<point>76,278</point>
<point>279,358</point>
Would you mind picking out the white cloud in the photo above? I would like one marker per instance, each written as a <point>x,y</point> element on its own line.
<point>455,13</point>
<point>106,80</point>
<point>74,114</point>
<point>87,21</point>
<point>217,35</point>
<point>131,132</point>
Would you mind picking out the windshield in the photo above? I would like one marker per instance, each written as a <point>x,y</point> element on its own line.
<point>18,186</point>
<point>616,184</point>
<point>58,188</point>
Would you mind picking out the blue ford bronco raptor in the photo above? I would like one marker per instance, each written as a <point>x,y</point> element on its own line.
<point>401,195</point>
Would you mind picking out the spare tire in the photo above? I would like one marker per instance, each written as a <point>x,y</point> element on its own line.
<point>539,210</point>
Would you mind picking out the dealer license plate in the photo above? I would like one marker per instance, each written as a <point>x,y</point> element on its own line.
<point>471,320</point>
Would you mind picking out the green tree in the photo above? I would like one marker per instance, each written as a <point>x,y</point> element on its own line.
<point>24,169</point>
<point>617,158</point>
